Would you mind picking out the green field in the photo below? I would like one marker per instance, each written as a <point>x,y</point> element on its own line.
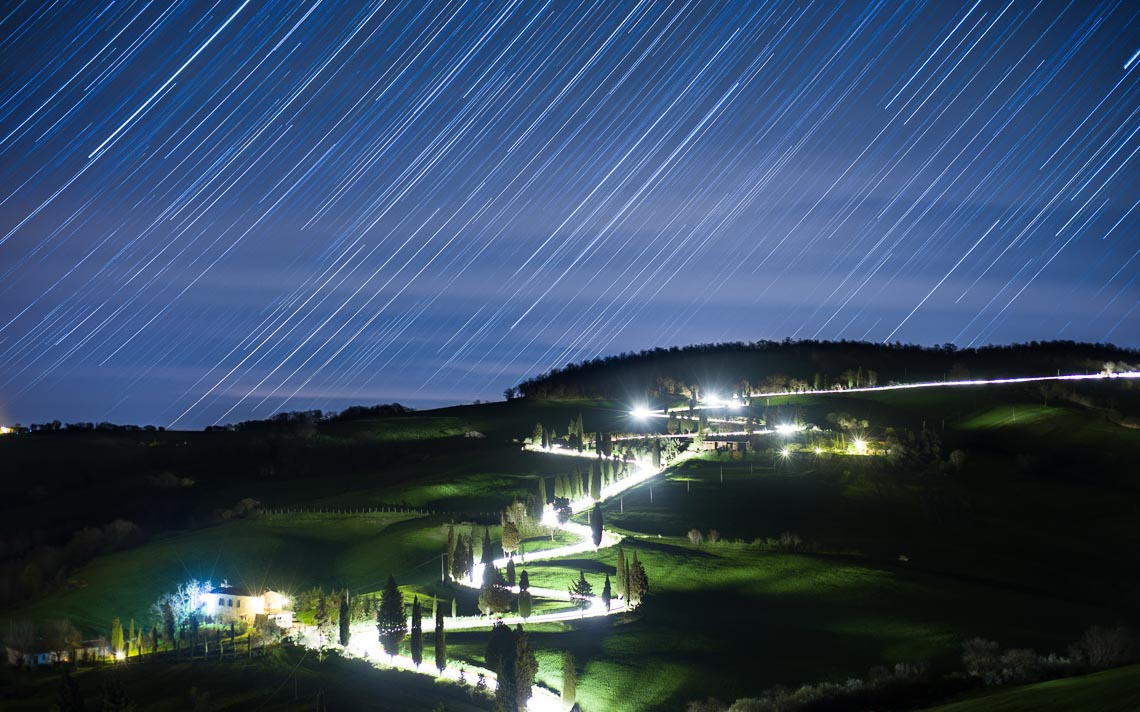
<point>287,554</point>
<point>1109,691</point>
<point>287,679</point>
<point>1027,544</point>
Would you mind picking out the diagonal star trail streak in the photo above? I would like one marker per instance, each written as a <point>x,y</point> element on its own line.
<point>211,211</point>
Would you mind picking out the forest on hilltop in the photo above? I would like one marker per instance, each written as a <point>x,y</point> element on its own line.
<point>769,366</point>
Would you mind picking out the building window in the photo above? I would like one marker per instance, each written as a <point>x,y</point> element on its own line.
<point>230,602</point>
<point>239,603</point>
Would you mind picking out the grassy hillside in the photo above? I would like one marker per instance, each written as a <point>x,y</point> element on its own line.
<point>288,679</point>
<point>1028,542</point>
<point>1109,691</point>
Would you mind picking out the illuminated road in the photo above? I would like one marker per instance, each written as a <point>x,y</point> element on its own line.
<point>365,643</point>
<point>910,386</point>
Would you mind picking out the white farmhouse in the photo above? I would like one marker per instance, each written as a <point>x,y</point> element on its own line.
<point>232,603</point>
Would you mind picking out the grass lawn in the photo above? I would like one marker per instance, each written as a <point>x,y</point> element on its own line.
<point>288,554</point>
<point>246,684</point>
<point>1109,691</point>
<point>730,621</point>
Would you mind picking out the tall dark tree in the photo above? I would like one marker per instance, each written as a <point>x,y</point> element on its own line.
<point>607,595</point>
<point>511,538</point>
<point>596,525</point>
<point>525,604</point>
<point>323,618</point>
<point>500,657</point>
<point>440,641</point>
<point>542,491</point>
<point>154,640</point>
<point>581,592</point>
<point>390,620</point>
<point>638,580</point>
<point>488,554</point>
<point>510,572</point>
<point>417,640</point>
<point>621,577</point>
<point>524,581</point>
<point>450,548</point>
<point>343,619</point>
<point>116,636</point>
<point>459,558</point>
<point>494,596</point>
<point>596,480</point>
<point>569,680</point>
<point>526,668</point>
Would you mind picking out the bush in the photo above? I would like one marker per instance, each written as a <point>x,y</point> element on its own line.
<point>695,536</point>
<point>980,657</point>
<point>1103,647</point>
<point>790,541</point>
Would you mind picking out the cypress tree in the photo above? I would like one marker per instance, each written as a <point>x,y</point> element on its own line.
<point>323,617</point>
<point>638,580</point>
<point>524,604</point>
<point>606,594</point>
<point>510,572</point>
<point>450,547</point>
<point>500,657</point>
<point>596,480</point>
<point>459,558</point>
<point>131,637</point>
<point>417,641</point>
<point>524,581</point>
<point>154,640</point>
<point>569,680</point>
<point>596,524</point>
<point>542,491</point>
<point>453,608</point>
<point>526,667</point>
<point>488,552</point>
<point>621,574</point>
<point>343,620</point>
<point>390,621</point>
<point>440,642</point>
<point>116,636</point>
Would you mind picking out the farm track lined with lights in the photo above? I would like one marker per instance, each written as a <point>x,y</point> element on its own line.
<point>364,644</point>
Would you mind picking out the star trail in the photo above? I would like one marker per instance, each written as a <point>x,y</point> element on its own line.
<point>214,211</point>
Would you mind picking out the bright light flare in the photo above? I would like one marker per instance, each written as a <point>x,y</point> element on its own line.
<point>788,428</point>
<point>120,655</point>
<point>860,446</point>
<point>785,453</point>
<point>641,412</point>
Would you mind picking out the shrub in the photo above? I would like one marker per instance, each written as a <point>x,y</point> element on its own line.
<point>1103,647</point>
<point>695,536</point>
<point>790,541</point>
<point>980,657</point>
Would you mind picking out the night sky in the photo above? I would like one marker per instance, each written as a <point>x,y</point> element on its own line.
<point>214,211</point>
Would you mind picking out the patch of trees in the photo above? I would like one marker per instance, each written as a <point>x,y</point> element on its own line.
<point>515,666</point>
<point>104,427</point>
<point>29,569</point>
<point>984,663</point>
<point>58,637</point>
<point>801,365</point>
